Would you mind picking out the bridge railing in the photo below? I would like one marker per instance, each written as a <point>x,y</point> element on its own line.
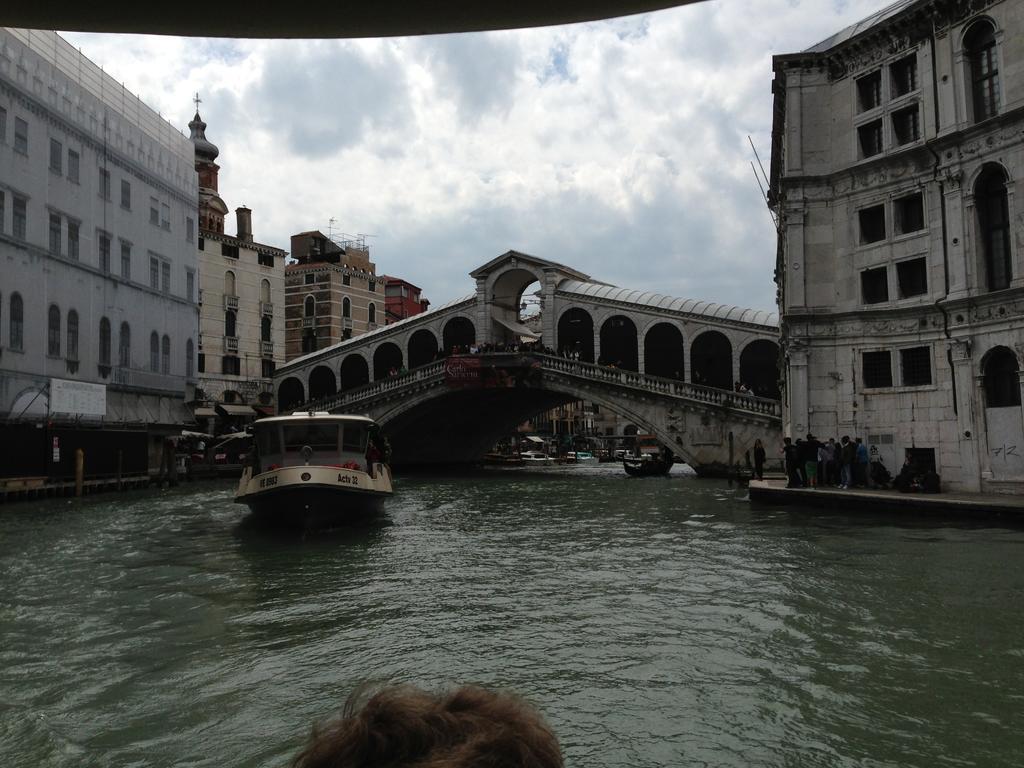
<point>434,373</point>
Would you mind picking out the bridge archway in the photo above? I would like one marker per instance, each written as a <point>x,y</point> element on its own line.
<point>711,360</point>
<point>663,352</point>
<point>290,394</point>
<point>322,383</point>
<point>458,332</point>
<point>387,356</point>
<point>619,343</point>
<point>422,348</point>
<point>576,333</point>
<point>759,368</point>
<point>354,372</point>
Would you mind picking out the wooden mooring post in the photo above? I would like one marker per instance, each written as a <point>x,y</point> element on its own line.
<point>79,471</point>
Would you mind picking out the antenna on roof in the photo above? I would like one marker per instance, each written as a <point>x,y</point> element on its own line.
<point>762,187</point>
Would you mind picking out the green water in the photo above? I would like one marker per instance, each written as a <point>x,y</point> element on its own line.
<point>655,622</point>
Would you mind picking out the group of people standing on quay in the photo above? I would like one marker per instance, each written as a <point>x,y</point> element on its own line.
<point>812,463</point>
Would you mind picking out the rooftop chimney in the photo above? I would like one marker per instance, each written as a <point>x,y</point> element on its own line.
<point>244,224</point>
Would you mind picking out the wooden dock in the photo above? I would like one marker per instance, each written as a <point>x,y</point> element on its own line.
<point>27,488</point>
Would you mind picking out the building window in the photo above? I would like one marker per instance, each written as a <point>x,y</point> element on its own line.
<point>346,307</point>
<point>165,216</point>
<point>309,307</point>
<point>55,234</point>
<point>72,166</point>
<point>980,49</point>
<point>869,91</point>
<point>346,279</point>
<point>916,366</point>
<point>104,356</point>
<point>908,214</point>
<point>126,260</point>
<point>905,125</point>
<point>268,368</point>
<point>265,259</point>
<point>56,156</point>
<point>154,211</point>
<point>165,277</point>
<point>870,138</point>
<point>154,273</point>
<point>912,277</point>
<point>231,251</point>
<point>3,211</point>
<point>126,194</point>
<point>201,362</point>
<point>371,286</point>
<point>72,335</point>
<point>877,369</point>
<point>265,329</point>
<point>190,366</point>
<point>201,244</point>
<point>190,285</point>
<point>872,224</point>
<point>265,291</point>
<point>229,283</point>
<point>229,323</point>
<point>190,228</point>
<point>309,278</point>
<point>53,331</point>
<point>904,75</point>
<point>165,354</point>
<point>124,346</point>
<point>230,365</point>
<point>103,238</point>
<point>20,217</point>
<point>372,310</point>
<point>16,326</point>
<point>1002,378</point>
<point>994,227</point>
<point>154,352</point>
<point>874,285</point>
<point>73,240</point>
<point>104,183</point>
<point>20,136</point>
<point>3,125</point>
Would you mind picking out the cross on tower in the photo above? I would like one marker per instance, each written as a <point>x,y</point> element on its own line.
<point>197,100</point>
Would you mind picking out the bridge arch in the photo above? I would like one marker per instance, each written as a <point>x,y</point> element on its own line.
<point>422,347</point>
<point>711,360</point>
<point>354,372</point>
<point>575,333</point>
<point>759,367</point>
<point>290,394</point>
<point>459,331</point>
<point>385,357</point>
<point>619,343</point>
<point>322,383</point>
<point>664,352</point>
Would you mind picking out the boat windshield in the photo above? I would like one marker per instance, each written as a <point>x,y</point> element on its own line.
<point>268,441</point>
<point>318,436</point>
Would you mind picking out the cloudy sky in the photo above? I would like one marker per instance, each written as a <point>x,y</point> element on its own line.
<point>617,147</point>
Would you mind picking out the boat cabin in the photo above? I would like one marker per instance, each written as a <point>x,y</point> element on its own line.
<point>312,439</point>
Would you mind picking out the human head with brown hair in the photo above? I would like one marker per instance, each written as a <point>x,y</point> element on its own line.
<point>405,727</point>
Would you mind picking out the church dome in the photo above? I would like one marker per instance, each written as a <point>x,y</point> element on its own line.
<point>205,150</point>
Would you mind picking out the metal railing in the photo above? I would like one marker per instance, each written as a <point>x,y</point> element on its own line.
<point>267,348</point>
<point>266,309</point>
<point>231,344</point>
<point>230,302</point>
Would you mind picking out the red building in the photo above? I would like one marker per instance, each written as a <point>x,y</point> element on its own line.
<point>402,299</point>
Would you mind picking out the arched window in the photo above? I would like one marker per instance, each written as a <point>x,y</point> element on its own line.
<point>190,354</point>
<point>265,291</point>
<point>990,199</point>
<point>16,329</point>
<point>229,283</point>
<point>154,352</point>
<point>265,329</point>
<point>229,323</point>
<point>104,341</point>
<point>124,346</point>
<point>53,331</point>
<point>1002,378</point>
<point>72,335</point>
<point>373,312</point>
<point>309,307</point>
<point>983,68</point>
<point>346,307</point>
<point>165,354</point>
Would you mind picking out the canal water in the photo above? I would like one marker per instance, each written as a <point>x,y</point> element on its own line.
<point>655,622</point>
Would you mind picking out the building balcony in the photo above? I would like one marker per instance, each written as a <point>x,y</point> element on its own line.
<point>231,344</point>
<point>266,309</point>
<point>231,302</point>
<point>346,323</point>
<point>308,322</point>
<point>371,326</point>
<point>267,348</point>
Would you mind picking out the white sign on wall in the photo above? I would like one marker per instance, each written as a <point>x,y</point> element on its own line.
<point>78,398</point>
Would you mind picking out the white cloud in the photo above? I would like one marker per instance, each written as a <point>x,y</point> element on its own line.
<point>616,147</point>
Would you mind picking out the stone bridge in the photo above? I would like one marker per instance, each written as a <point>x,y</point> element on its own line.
<point>667,365</point>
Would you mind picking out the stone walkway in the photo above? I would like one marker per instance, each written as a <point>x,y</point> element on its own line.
<point>878,500</point>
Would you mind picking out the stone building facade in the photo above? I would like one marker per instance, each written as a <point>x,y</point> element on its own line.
<point>241,317</point>
<point>332,293</point>
<point>98,268</point>
<point>897,145</point>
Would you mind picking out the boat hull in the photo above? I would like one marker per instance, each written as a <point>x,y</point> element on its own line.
<point>646,467</point>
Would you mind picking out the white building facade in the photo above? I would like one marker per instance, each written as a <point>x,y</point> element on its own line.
<point>98,266</point>
<point>897,147</point>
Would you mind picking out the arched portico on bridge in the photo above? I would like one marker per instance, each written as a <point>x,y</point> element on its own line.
<point>386,359</point>
<point>459,332</point>
<point>759,368</point>
<point>354,372</point>
<point>619,343</point>
<point>664,352</point>
<point>711,360</point>
<point>322,383</point>
<point>290,393</point>
<point>422,348</point>
<point>576,334</point>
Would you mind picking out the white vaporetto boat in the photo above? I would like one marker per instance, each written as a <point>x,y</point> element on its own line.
<point>536,458</point>
<point>316,467</point>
